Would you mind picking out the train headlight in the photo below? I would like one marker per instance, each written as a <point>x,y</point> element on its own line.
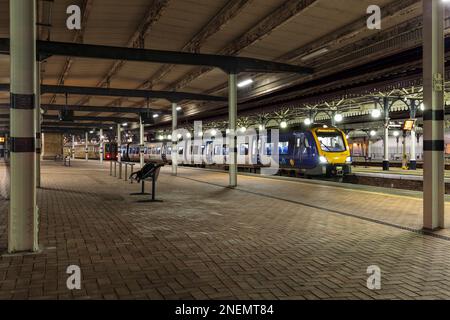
<point>323,160</point>
<point>349,160</point>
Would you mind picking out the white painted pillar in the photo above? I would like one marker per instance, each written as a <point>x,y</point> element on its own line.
<point>386,134</point>
<point>433,144</point>
<point>141,142</point>
<point>119,142</point>
<point>73,146</point>
<point>174,139</point>
<point>102,152</point>
<point>37,119</point>
<point>413,156</point>
<point>23,213</point>
<point>232,118</point>
<point>86,146</point>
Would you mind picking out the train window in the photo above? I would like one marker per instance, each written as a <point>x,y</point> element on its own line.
<point>218,150</point>
<point>331,141</point>
<point>269,147</point>
<point>284,148</point>
<point>243,149</point>
<point>180,150</point>
<point>306,142</point>
<point>158,150</point>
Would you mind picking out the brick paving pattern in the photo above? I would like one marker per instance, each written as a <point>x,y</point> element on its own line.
<point>269,239</point>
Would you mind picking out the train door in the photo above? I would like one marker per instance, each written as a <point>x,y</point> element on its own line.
<point>209,152</point>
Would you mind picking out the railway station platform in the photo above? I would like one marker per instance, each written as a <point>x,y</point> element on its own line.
<point>394,178</point>
<point>270,238</point>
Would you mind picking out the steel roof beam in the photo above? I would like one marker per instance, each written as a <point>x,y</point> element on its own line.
<point>132,93</point>
<point>227,63</point>
<point>57,107</point>
<point>84,118</point>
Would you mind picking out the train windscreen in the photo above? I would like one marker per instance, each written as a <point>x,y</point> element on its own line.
<point>331,141</point>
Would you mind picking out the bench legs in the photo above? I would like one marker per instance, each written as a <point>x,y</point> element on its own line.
<point>142,190</point>
<point>153,193</point>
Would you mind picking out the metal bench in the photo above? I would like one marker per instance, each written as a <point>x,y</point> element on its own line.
<point>149,172</point>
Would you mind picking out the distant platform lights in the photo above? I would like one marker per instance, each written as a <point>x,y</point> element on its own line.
<point>283,124</point>
<point>373,133</point>
<point>307,122</point>
<point>376,113</point>
<point>422,106</point>
<point>338,117</point>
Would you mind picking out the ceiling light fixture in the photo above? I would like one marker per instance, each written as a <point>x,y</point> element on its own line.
<point>245,83</point>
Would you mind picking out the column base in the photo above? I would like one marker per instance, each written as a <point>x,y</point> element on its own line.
<point>385,165</point>
<point>413,165</point>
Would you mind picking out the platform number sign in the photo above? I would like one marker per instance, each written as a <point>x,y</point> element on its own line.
<point>374,20</point>
<point>73,21</point>
<point>374,279</point>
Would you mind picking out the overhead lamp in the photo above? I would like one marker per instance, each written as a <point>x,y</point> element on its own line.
<point>373,133</point>
<point>422,106</point>
<point>124,124</point>
<point>261,127</point>
<point>307,121</point>
<point>245,83</point>
<point>179,136</point>
<point>155,115</point>
<point>92,131</point>
<point>376,113</point>
<point>315,54</point>
<point>178,108</point>
<point>200,134</point>
<point>396,133</point>
<point>110,128</point>
<point>283,125</point>
<point>160,137</point>
<point>338,117</point>
<point>188,135</point>
<point>227,131</point>
<point>243,129</point>
<point>169,137</point>
<point>213,132</point>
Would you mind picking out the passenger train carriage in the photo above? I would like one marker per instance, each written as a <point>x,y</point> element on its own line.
<point>93,149</point>
<point>313,151</point>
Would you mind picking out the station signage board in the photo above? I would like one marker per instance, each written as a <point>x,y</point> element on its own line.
<point>2,139</point>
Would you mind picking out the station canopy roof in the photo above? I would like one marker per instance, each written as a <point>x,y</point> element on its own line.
<point>329,36</point>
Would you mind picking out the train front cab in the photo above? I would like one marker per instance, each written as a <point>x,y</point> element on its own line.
<point>333,152</point>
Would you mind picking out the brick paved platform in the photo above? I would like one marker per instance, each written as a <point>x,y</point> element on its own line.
<point>269,239</point>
